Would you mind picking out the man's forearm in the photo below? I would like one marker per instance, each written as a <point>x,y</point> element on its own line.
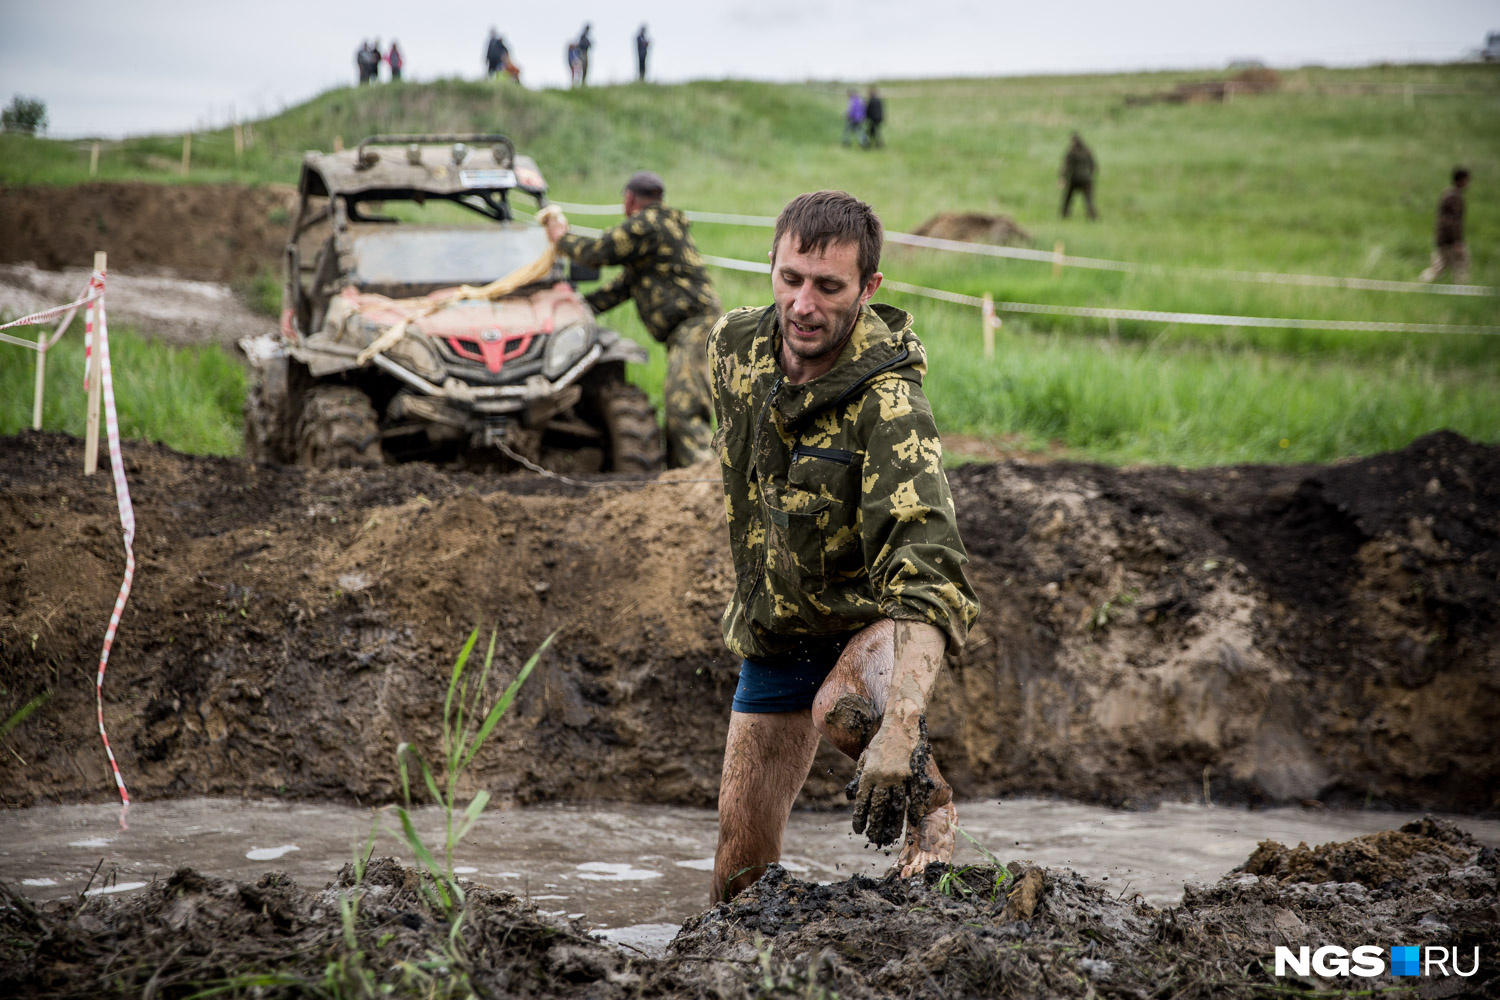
<point>919,649</point>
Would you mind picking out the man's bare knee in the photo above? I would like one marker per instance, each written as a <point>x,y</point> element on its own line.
<point>848,706</point>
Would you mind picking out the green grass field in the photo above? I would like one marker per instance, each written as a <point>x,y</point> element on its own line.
<point>1335,173</point>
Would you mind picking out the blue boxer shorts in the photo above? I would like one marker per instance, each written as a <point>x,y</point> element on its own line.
<point>788,682</point>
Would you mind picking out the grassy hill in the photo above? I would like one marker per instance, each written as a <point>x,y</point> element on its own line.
<point>1331,173</point>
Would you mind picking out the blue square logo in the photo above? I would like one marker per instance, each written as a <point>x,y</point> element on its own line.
<point>1405,959</point>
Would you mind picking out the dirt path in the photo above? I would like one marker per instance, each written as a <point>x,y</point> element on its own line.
<point>173,310</point>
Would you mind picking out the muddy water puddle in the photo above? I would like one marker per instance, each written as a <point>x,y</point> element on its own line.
<point>641,870</point>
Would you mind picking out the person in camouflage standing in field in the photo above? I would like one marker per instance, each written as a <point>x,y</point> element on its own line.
<point>1077,175</point>
<point>848,563</point>
<point>1449,251</point>
<point>663,272</point>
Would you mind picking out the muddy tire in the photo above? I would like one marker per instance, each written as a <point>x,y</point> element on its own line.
<point>266,426</point>
<point>633,440</point>
<point>338,429</point>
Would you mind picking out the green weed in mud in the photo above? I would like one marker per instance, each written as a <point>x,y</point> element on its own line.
<point>952,883</point>
<point>350,972</point>
<point>460,743</point>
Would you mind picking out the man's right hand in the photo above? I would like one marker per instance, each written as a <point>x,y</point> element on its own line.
<point>554,221</point>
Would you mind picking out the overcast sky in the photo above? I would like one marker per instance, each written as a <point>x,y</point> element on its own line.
<point>113,68</point>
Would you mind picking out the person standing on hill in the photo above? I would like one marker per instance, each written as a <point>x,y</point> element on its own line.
<point>642,44</point>
<point>584,44</point>
<point>1450,253</point>
<point>394,61</point>
<point>663,272</point>
<point>494,54</point>
<point>874,116</point>
<point>854,117</point>
<point>1077,175</point>
<point>575,64</point>
<point>849,567</point>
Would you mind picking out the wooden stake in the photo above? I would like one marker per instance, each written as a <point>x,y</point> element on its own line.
<point>96,388</point>
<point>41,379</point>
<point>187,151</point>
<point>987,319</point>
<point>94,160</point>
<point>239,141</point>
<point>338,144</point>
<point>1057,260</point>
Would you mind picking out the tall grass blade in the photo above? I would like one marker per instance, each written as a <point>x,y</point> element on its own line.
<point>509,696</point>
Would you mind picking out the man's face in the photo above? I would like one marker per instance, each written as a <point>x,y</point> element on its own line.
<point>818,297</point>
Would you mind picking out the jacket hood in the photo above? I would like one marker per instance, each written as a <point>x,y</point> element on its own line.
<point>882,342</point>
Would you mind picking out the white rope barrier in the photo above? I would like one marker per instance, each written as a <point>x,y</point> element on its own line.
<point>1096,263</point>
<point>1146,315</point>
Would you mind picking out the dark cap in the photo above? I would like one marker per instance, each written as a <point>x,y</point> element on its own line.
<point>646,183</point>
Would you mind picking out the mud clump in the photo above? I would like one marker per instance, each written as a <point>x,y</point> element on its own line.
<point>975,227</point>
<point>1426,847</point>
<point>977,931</point>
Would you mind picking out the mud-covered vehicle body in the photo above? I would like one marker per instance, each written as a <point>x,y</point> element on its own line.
<point>388,350</point>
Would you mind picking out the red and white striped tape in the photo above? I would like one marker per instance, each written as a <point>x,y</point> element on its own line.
<point>127,522</point>
<point>89,295</point>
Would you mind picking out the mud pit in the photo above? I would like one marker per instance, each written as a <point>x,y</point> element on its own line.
<point>1256,635</point>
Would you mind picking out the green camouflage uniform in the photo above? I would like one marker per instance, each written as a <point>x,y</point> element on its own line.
<point>662,271</point>
<point>839,511</point>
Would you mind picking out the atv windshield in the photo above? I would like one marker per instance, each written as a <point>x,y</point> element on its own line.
<point>390,256</point>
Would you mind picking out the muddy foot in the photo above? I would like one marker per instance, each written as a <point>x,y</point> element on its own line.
<point>931,841</point>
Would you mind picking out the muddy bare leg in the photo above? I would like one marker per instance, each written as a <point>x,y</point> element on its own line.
<point>766,760</point>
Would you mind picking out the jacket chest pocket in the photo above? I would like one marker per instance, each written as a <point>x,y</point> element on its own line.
<point>817,516</point>
<point>795,541</point>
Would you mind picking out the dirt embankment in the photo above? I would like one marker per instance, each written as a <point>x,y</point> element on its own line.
<point>1024,931</point>
<point>1256,634</point>
<point>202,232</point>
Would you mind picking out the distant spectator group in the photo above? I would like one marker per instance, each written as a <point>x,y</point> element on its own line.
<point>863,117</point>
<point>368,57</point>
<point>497,58</point>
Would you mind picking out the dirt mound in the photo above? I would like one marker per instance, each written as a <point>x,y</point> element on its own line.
<point>1427,847</point>
<point>1252,634</point>
<point>979,931</point>
<point>204,232</point>
<point>1256,80</point>
<point>975,227</point>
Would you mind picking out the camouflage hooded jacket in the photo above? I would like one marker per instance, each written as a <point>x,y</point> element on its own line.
<point>661,269</point>
<point>839,511</point>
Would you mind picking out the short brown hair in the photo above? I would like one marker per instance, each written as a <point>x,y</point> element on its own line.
<point>823,217</point>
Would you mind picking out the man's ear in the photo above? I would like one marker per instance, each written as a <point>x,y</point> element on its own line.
<point>868,291</point>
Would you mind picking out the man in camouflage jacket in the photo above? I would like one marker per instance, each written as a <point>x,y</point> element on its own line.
<point>1077,175</point>
<point>849,567</point>
<point>663,272</point>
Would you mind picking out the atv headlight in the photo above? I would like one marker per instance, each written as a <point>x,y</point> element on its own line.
<point>564,348</point>
<point>415,351</point>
